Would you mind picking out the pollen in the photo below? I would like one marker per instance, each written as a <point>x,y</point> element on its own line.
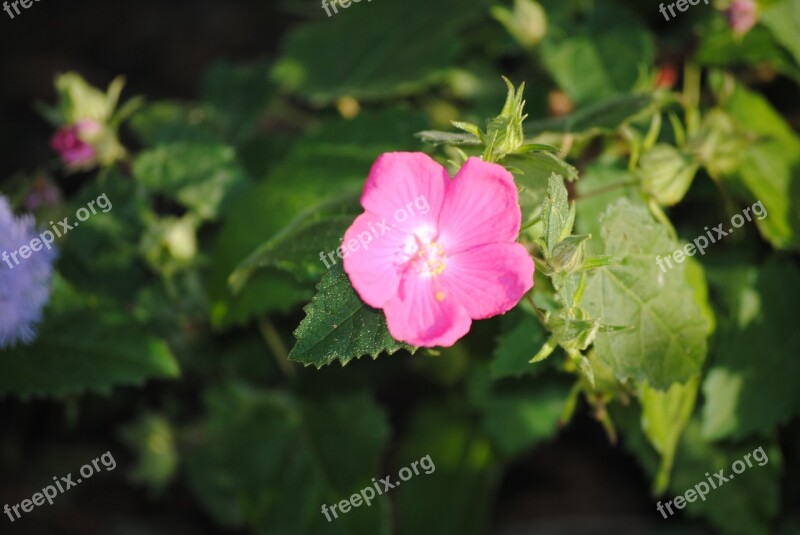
<point>430,260</point>
<point>440,296</point>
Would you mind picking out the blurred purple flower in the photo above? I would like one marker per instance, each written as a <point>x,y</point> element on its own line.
<point>69,143</point>
<point>742,15</point>
<point>24,287</point>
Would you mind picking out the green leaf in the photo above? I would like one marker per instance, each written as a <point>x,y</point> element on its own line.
<point>569,255</point>
<point>770,167</point>
<point>758,47</point>
<point>364,52</point>
<point>516,346</point>
<point>598,54</point>
<point>103,258</point>
<point>744,395</point>
<point>667,173</point>
<point>436,138</point>
<point>557,214</point>
<point>532,173</point>
<point>203,177</point>
<point>606,115</point>
<point>270,462</point>
<point>665,414</point>
<point>668,342</point>
<point>336,159</point>
<point>308,175</point>
<point>80,350</point>
<point>783,19</point>
<point>166,122</point>
<point>601,184</point>
<point>339,326</point>
<point>239,94</point>
<point>297,247</point>
<point>541,164</point>
<point>468,128</point>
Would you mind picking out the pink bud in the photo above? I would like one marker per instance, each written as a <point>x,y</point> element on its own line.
<point>742,15</point>
<point>69,143</point>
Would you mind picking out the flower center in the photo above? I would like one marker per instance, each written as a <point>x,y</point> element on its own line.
<point>430,260</point>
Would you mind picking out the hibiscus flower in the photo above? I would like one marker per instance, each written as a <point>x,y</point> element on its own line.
<point>434,272</point>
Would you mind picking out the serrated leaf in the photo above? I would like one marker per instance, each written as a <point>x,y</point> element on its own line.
<point>340,326</point>
<point>668,342</point>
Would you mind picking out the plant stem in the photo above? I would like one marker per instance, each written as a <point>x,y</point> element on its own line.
<point>608,188</point>
<point>276,346</point>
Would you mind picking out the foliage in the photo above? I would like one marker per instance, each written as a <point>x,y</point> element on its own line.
<point>216,267</point>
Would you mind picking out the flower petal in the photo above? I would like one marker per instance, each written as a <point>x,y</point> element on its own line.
<point>375,256</point>
<point>481,206</point>
<point>417,317</point>
<point>407,188</point>
<point>490,279</point>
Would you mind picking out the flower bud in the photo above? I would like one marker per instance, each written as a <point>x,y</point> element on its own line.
<point>742,15</point>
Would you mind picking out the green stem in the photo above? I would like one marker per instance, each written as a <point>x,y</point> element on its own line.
<point>276,346</point>
<point>608,188</point>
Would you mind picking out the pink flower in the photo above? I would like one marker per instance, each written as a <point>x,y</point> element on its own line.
<point>69,143</point>
<point>435,266</point>
<point>742,15</point>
